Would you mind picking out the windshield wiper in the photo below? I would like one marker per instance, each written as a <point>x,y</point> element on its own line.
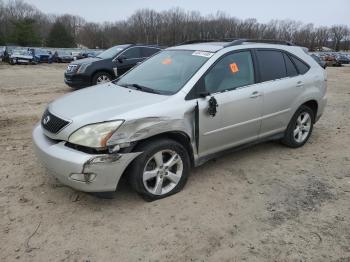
<point>142,88</point>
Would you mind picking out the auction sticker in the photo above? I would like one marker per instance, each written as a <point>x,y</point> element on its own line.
<point>202,53</point>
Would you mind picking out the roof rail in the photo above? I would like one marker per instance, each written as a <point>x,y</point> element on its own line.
<point>189,42</point>
<point>267,41</point>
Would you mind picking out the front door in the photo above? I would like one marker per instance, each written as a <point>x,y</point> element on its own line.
<point>128,59</point>
<point>237,101</point>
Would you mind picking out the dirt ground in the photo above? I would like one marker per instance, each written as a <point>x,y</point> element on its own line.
<point>265,203</point>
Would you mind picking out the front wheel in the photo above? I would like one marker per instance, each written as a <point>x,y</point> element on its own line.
<point>101,78</point>
<point>299,128</point>
<point>161,170</point>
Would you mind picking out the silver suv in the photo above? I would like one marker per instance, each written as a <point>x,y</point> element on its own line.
<point>176,110</point>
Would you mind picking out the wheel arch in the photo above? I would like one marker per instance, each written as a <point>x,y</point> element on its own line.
<point>104,70</point>
<point>178,136</point>
<point>313,105</point>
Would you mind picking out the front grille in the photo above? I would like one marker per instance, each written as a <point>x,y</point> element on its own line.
<point>52,123</point>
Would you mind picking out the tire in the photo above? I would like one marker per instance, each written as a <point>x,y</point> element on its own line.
<point>99,76</point>
<point>299,128</point>
<point>163,180</point>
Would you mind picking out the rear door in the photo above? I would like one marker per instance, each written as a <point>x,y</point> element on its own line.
<point>281,84</point>
<point>149,51</point>
<point>231,84</point>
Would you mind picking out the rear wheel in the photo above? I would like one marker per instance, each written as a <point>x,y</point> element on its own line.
<point>161,170</point>
<point>299,128</point>
<point>101,78</point>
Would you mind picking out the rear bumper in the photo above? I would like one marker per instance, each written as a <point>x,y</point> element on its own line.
<point>321,107</point>
<point>101,173</point>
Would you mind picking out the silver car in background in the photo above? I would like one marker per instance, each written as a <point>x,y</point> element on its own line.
<point>178,109</point>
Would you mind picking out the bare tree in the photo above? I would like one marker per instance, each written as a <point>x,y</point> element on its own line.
<point>338,32</point>
<point>171,27</point>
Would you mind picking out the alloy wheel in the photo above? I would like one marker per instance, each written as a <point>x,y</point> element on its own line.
<point>102,79</point>
<point>162,172</point>
<point>302,128</point>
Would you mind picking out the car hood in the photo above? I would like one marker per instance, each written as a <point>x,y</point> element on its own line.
<point>86,61</point>
<point>100,103</point>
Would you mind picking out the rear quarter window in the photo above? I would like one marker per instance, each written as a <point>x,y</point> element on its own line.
<point>271,65</point>
<point>291,69</point>
<point>301,66</point>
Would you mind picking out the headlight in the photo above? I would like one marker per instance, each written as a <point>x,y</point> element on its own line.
<point>83,67</point>
<point>95,135</point>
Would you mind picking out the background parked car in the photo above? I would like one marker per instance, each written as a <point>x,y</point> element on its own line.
<point>2,50</point>
<point>8,51</point>
<point>21,56</point>
<point>41,55</point>
<point>107,65</point>
<point>343,59</point>
<point>331,60</point>
<point>321,62</point>
<point>61,56</point>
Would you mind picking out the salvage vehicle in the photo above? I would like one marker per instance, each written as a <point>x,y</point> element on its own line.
<point>21,56</point>
<point>61,56</point>
<point>40,55</point>
<point>8,51</point>
<point>107,65</point>
<point>178,109</point>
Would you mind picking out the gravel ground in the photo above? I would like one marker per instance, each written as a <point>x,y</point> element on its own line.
<point>265,203</point>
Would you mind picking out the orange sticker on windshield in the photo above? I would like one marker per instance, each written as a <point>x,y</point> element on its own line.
<point>167,61</point>
<point>234,68</point>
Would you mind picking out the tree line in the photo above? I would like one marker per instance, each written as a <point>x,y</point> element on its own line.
<point>24,24</point>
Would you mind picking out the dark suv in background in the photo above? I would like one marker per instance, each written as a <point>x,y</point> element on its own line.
<point>108,65</point>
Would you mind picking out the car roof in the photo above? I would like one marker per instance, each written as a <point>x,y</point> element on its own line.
<point>217,46</point>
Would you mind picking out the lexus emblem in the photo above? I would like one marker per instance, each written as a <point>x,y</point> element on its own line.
<point>46,120</point>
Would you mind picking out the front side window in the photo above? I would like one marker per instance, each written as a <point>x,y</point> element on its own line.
<point>166,72</point>
<point>233,71</point>
<point>271,65</point>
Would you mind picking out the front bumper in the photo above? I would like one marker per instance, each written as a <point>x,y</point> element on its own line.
<point>77,80</point>
<point>63,161</point>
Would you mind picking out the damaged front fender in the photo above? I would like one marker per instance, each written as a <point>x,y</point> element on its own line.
<point>143,128</point>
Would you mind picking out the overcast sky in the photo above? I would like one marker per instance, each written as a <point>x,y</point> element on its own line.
<point>307,11</point>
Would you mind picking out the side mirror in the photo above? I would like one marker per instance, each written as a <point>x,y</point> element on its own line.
<point>121,58</point>
<point>200,88</point>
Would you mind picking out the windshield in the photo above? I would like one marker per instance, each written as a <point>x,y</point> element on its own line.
<point>167,72</point>
<point>40,52</point>
<point>20,52</point>
<point>112,52</point>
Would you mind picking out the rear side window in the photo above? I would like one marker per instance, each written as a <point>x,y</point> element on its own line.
<point>291,69</point>
<point>271,65</point>
<point>134,52</point>
<point>302,67</point>
<point>146,51</point>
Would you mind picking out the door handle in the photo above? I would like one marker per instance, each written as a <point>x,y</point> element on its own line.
<point>255,94</point>
<point>300,84</point>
